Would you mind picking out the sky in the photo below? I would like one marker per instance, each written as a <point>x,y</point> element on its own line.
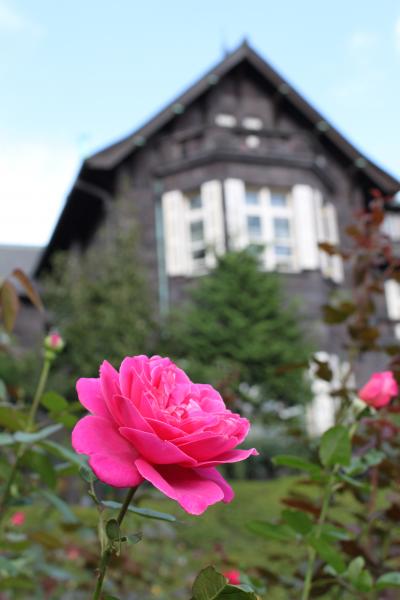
<point>76,75</point>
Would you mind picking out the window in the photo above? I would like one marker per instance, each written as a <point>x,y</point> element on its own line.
<point>283,251</point>
<point>195,201</point>
<point>252,141</point>
<point>253,123</point>
<point>282,254</point>
<point>196,226</point>
<point>281,227</point>
<point>278,199</point>
<point>252,197</point>
<point>254,227</point>
<point>197,231</point>
<point>225,120</point>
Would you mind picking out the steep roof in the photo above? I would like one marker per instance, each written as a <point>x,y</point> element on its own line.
<point>112,155</point>
<point>106,160</point>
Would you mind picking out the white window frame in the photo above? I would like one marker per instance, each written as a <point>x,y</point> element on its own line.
<point>267,213</point>
<point>193,215</point>
<point>283,212</point>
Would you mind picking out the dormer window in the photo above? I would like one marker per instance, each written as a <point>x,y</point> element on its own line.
<point>253,123</point>
<point>225,120</point>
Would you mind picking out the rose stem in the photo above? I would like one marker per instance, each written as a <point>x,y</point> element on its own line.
<point>105,558</point>
<point>31,419</point>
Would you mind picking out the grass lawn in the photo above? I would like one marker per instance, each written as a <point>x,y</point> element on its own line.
<point>169,555</point>
<point>163,565</point>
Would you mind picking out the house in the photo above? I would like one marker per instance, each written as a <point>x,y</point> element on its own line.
<point>238,158</point>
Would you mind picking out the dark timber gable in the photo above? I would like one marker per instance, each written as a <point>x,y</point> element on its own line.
<point>183,146</point>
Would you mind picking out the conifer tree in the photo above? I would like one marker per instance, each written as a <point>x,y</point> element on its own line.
<point>101,304</point>
<point>239,332</point>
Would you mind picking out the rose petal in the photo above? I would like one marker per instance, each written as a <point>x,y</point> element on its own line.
<point>208,447</point>
<point>91,397</point>
<point>214,475</point>
<point>126,414</point>
<point>164,430</point>
<point>134,377</point>
<point>229,457</point>
<point>117,470</point>
<point>156,451</point>
<point>112,458</point>
<point>109,382</point>
<point>193,492</point>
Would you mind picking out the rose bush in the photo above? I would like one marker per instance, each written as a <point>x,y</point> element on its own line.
<point>150,422</point>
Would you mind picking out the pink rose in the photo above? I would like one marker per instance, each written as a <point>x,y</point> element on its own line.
<point>233,576</point>
<point>379,390</point>
<point>150,422</point>
<point>18,518</point>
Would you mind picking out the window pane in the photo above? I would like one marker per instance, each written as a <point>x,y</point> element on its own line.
<point>284,251</point>
<point>254,226</point>
<point>197,231</point>
<point>195,201</point>
<point>199,254</point>
<point>252,198</point>
<point>278,199</point>
<point>281,228</point>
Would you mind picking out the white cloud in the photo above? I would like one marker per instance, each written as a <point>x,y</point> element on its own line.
<point>34,180</point>
<point>12,21</point>
<point>397,34</point>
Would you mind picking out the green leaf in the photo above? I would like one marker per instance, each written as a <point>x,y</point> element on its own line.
<point>359,577</point>
<point>355,567</point>
<point>208,584</point>
<point>6,439</point>
<point>3,391</point>
<point>113,530</point>
<point>54,402</point>
<point>60,505</point>
<point>294,462</point>
<point>41,463</point>
<point>328,553</point>
<point>335,447</point>
<point>9,304</point>
<point>132,538</point>
<point>271,531</point>
<point>234,592</point>
<point>28,287</point>
<point>12,419</point>
<point>58,450</point>
<point>31,438</point>
<point>297,520</point>
<point>334,533</point>
<point>143,512</point>
<point>364,582</point>
<point>388,580</point>
<point>373,457</point>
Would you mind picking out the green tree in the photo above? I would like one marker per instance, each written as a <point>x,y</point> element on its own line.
<point>239,333</point>
<point>100,303</point>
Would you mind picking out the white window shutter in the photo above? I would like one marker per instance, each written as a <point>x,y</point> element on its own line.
<point>176,234</point>
<point>211,195</point>
<point>321,234</point>
<point>392,295</point>
<point>305,226</point>
<point>336,262</point>
<point>235,198</point>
